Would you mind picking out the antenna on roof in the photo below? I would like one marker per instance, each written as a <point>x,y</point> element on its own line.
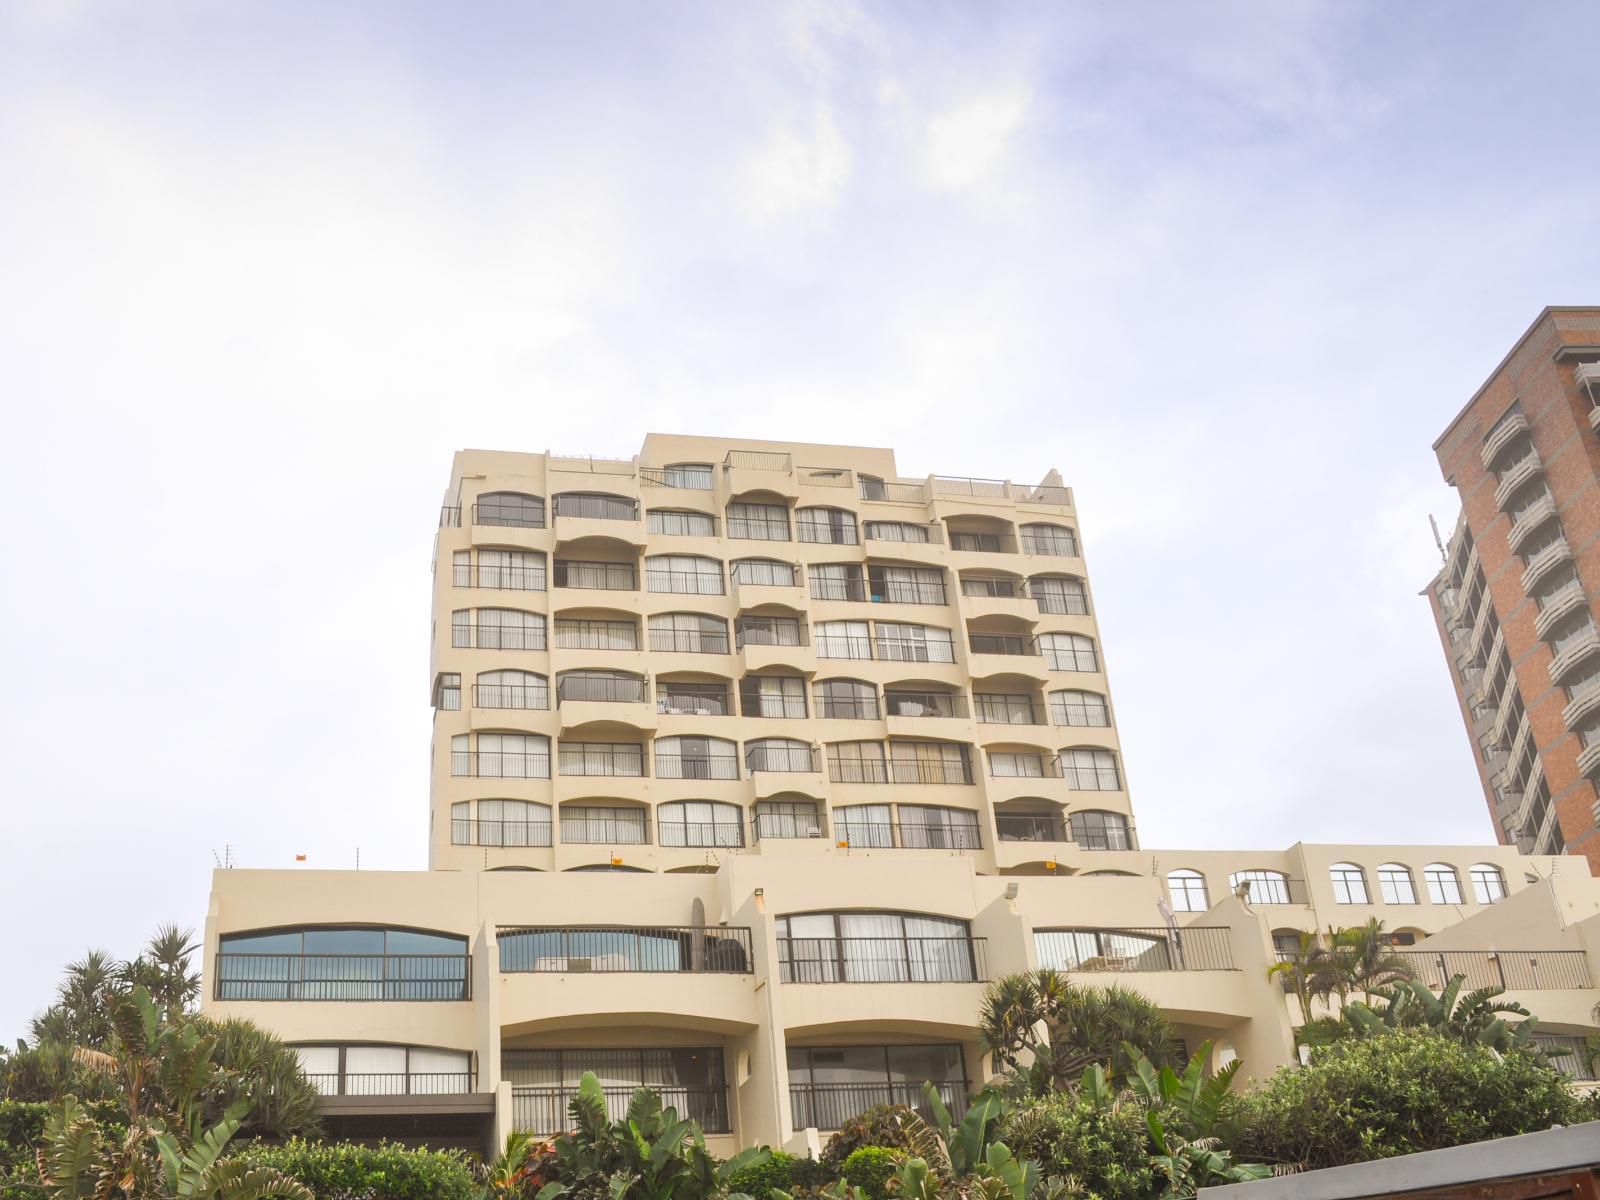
<point>1437,540</point>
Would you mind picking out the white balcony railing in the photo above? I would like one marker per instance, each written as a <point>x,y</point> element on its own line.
<point>1502,436</point>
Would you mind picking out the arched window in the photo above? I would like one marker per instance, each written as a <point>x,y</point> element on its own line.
<point>342,963</point>
<point>1088,769</point>
<point>687,475</point>
<point>1395,884</point>
<point>784,818</point>
<point>780,755</point>
<point>764,572</point>
<point>602,506</point>
<point>500,756</point>
<point>846,700</point>
<point>1444,885</point>
<point>1488,884</point>
<point>601,687</point>
<point>833,526</point>
<point>510,689</point>
<point>499,823</point>
<point>1059,594</point>
<point>688,633</point>
<point>1188,890</point>
<point>700,823</point>
<point>1041,538</point>
<point>497,629</point>
<point>1079,708</point>
<point>608,759</point>
<point>874,947</point>
<point>687,573</point>
<point>758,522</point>
<point>509,508</point>
<point>696,758</point>
<point>1287,945</point>
<point>1094,829</point>
<point>1068,652</point>
<point>680,522</point>
<point>1349,883</point>
<point>1265,887</point>
<point>604,825</point>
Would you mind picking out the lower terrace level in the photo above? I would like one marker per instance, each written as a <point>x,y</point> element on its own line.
<point>772,1000</point>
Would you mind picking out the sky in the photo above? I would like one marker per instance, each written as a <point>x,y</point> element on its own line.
<point>1230,267</point>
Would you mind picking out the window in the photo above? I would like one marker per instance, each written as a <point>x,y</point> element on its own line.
<point>758,522</point>
<point>601,687</point>
<point>874,947</point>
<point>929,763</point>
<point>828,1085</point>
<point>603,825</point>
<point>1188,891</point>
<point>764,572</point>
<point>1049,539</point>
<point>776,696</point>
<point>769,631</point>
<point>779,754</point>
<point>1011,764</point>
<point>597,506</point>
<point>787,819</point>
<point>870,487</point>
<point>1001,643</point>
<point>1286,945</point>
<point>447,692</point>
<point>1005,708</point>
<point>905,585</point>
<point>500,823</point>
<point>602,758</point>
<point>604,576</point>
<point>509,508</point>
<point>989,543</point>
<point>690,1079</point>
<point>1059,594</point>
<point>680,523</point>
<point>843,639</point>
<point>339,963</point>
<point>1265,887</point>
<point>846,699</point>
<point>501,756</point>
<point>1096,830</point>
<point>1444,885</point>
<point>701,823</point>
<point>834,526</point>
<point>1003,587</point>
<point>1394,884</point>
<point>836,581</point>
<point>683,573</point>
<point>897,531</point>
<point>385,1070</point>
<point>497,629</point>
<point>899,703</point>
<point>1079,708</point>
<point>1102,950</point>
<point>696,758</point>
<point>864,825</point>
<point>687,475</point>
<point>513,570</point>
<point>1091,770</point>
<point>1068,652</point>
<point>511,689</point>
<point>573,633</point>
<point>929,826</point>
<point>688,633</point>
<point>687,698</point>
<point>1349,884</point>
<point>857,762</point>
<point>1488,884</point>
<point>896,642</point>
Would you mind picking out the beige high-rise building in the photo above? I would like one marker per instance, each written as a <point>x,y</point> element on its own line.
<point>752,762</point>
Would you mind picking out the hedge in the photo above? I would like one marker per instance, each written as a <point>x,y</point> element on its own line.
<point>344,1171</point>
<point>870,1168</point>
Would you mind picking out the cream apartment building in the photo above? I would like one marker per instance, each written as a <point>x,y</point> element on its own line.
<point>752,762</point>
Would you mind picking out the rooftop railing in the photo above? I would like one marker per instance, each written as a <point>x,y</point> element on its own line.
<point>896,491</point>
<point>511,515</point>
<point>962,485</point>
<point>596,508</point>
<point>588,464</point>
<point>758,460</point>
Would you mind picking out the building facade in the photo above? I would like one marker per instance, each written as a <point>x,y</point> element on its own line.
<point>1516,600</point>
<point>752,763</point>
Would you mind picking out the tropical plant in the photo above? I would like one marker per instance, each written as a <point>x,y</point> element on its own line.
<point>1191,1164</point>
<point>386,1171</point>
<point>1046,1031</point>
<point>521,1168</point>
<point>870,1168</point>
<point>954,1150</point>
<point>1366,959</point>
<point>881,1125</point>
<point>1474,1017</point>
<point>1087,1136</point>
<point>1195,1101</point>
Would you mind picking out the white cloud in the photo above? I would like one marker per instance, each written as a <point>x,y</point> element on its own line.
<point>965,144</point>
<point>797,170</point>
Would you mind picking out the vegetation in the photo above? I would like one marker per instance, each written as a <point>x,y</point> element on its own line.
<point>870,1168</point>
<point>1475,1017</point>
<point>1359,959</point>
<point>385,1172</point>
<point>881,1125</point>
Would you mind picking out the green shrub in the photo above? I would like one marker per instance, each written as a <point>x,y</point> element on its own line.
<point>344,1171</point>
<point>1105,1147</point>
<point>21,1124</point>
<point>870,1168</point>
<point>878,1126</point>
<point>758,1181</point>
<point>1407,1091</point>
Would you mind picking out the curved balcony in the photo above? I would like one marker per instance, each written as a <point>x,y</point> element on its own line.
<point>1580,650</point>
<point>1479,627</point>
<point>1568,600</point>
<point>1542,563</point>
<point>1580,706</point>
<point>1501,436</point>
<point>1544,510</point>
<point>1589,761</point>
<point>1514,477</point>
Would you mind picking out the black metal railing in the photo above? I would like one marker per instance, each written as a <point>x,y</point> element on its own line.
<point>1028,827</point>
<point>845,708</point>
<point>1283,890</point>
<point>500,764</point>
<point>678,700</point>
<point>929,534</point>
<point>680,524</point>
<point>700,481</point>
<point>925,704</point>
<point>824,532</point>
<point>998,709</point>
<point>783,759</point>
<point>674,949</point>
<point>759,529</point>
<point>606,635</point>
<point>883,960</point>
<point>1005,764</point>
<point>479,832</point>
<point>907,591</point>
<point>596,576</point>
<point>696,766</point>
<point>747,575</point>
<point>725,835</point>
<point>510,695</point>
<point>317,977</point>
<point>754,703</point>
<point>1060,602</point>
<point>785,826</point>
<point>689,641</point>
<point>1084,715</point>
<point>393,1083</point>
<point>759,631</point>
<point>844,645</point>
<point>905,835</point>
<point>498,637</point>
<point>1091,779</point>
<point>580,829</point>
<point>498,576</point>
<point>823,588</point>
<point>1514,970</point>
<point>545,1109</point>
<point>1040,494</point>
<point>983,543</point>
<point>757,460</point>
<point>994,587</point>
<point>684,583</point>
<point>520,516</point>
<point>602,508</point>
<point>903,650</point>
<point>831,1105</point>
<point>604,761</point>
<point>898,770</point>
<point>1003,643</point>
<point>1106,839</point>
<point>1092,949</point>
<point>889,489</point>
<point>601,689</point>
<point>450,516</point>
<point>1049,544</point>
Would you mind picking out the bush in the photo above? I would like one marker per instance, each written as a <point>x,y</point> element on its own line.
<point>878,1126</point>
<point>1104,1147</point>
<point>776,1172</point>
<point>21,1125</point>
<point>344,1171</point>
<point>870,1169</point>
<point>1400,1093</point>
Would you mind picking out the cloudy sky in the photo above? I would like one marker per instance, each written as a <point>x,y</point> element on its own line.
<point>263,266</point>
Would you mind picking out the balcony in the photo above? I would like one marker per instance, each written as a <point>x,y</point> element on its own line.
<point>602,760</point>
<point>905,835</point>
<point>1272,891</point>
<point>688,641</point>
<point>1552,608</point>
<point>1028,827</point>
<point>678,949</point>
<point>1514,970</point>
<point>1589,760</point>
<point>997,709</point>
<point>604,827</point>
<point>965,542</point>
<point>883,960</point>
<point>1502,435</point>
<point>681,700</point>
<point>498,577</point>
<point>500,764</point>
<point>927,772</point>
<point>923,706</point>
<point>1515,476</point>
<point>602,698</point>
<point>1587,375</point>
<point>760,471</point>
<point>1578,650</point>
<point>1543,509</point>
<point>697,766</point>
<point>891,491</point>
<point>511,695</point>
<point>596,576</point>
<point>783,760</point>
<point>331,977</point>
<point>1191,948</point>
<point>830,1105</point>
<point>701,835</point>
<point>506,834</point>
<point>393,1083</point>
<point>1545,561</point>
<point>579,516</point>
<point>546,1110</point>
<point>1581,705</point>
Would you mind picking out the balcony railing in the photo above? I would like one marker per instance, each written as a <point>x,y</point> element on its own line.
<point>758,460</point>
<point>929,534</point>
<point>679,702</point>
<point>578,829</point>
<point>785,826</point>
<point>753,631</point>
<point>1091,779</point>
<point>831,533</point>
<point>913,650</point>
<point>500,764</point>
<point>672,949</point>
<point>1191,948</point>
<point>759,528</point>
<point>688,641</point>
<point>894,491</point>
<point>961,485</point>
<point>1059,545</point>
<point>906,835</point>
<point>883,960</point>
<point>497,637</point>
<point>846,708</point>
<point>718,835</point>
<point>1276,891</point>
<point>902,770</point>
<point>844,645</point>
<point>823,588</point>
<point>318,977</point>
<point>1009,710</point>
<point>831,1105</point>
<point>994,587</point>
<point>510,695</point>
<point>493,575</point>
<point>598,576</point>
<point>1003,643</point>
<point>468,832</point>
<point>617,635</point>
<point>925,704</point>
<point>772,708</point>
<point>603,761</point>
<point>1514,970</point>
<point>518,516</point>
<point>983,543</point>
<point>684,583</point>
<point>450,516</point>
<point>545,1109</point>
<point>1060,602</point>
<point>603,690</point>
<point>783,759</point>
<point>1027,827</point>
<point>697,766</point>
<point>600,508</point>
<point>1566,1054</point>
<point>393,1083</point>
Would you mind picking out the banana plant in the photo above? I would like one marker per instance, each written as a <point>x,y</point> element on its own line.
<point>1189,1165</point>
<point>1194,1096</point>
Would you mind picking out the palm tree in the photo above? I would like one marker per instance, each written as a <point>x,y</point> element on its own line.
<point>1368,961</point>
<point>79,1017</point>
<point>164,969</point>
<point>1047,1031</point>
